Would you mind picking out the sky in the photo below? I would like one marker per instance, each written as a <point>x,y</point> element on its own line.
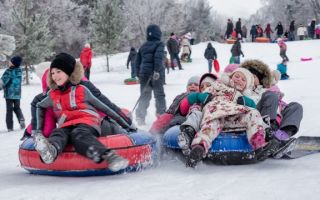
<point>236,8</point>
<point>272,179</point>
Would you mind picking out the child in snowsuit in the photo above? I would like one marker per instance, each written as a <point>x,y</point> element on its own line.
<point>283,49</point>
<point>228,109</point>
<point>10,82</point>
<point>282,68</point>
<point>75,104</point>
<point>210,54</point>
<point>176,114</point>
<point>268,102</point>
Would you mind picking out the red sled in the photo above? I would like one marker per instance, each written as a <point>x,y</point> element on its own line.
<point>216,65</point>
<point>306,59</point>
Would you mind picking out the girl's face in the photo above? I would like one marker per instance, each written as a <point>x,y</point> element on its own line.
<point>59,76</point>
<point>193,87</point>
<point>204,85</point>
<point>239,80</point>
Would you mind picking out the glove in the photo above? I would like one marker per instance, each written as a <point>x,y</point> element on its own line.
<point>156,76</point>
<point>242,55</point>
<point>246,101</point>
<point>204,98</point>
<point>132,128</point>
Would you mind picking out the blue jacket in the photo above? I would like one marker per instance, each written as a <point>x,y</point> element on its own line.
<point>151,53</point>
<point>282,68</point>
<point>10,82</point>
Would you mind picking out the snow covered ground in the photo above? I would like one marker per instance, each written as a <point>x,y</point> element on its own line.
<point>273,179</point>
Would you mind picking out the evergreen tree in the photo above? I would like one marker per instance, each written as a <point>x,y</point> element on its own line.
<point>107,26</point>
<point>31,31</point>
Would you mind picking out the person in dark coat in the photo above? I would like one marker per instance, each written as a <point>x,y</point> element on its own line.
<point>229,29</point>
<point>238,28</point>
<point>253,33</point>
<point>132,59</point>
<point>312,28</point>
<point>279,29</point>
<point>10,82</point>
<point>292,28</point>
<point>150,71</point>
<point>236,51</point>
<point>173,48</point>
<point>210,54</point>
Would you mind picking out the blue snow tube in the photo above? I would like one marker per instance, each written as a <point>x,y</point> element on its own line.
<point>231,148</point>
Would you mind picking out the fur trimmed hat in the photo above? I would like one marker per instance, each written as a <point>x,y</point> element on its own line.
<point>260,69</point>
<point>64,62</point>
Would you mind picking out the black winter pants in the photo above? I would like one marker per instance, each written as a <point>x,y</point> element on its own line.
<point>87,73</point>
<point>84,139</point>
<point>146,89</point>
<point>13,105</point>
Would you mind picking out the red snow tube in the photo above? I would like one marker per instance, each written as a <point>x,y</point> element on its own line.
<point>230,41</point>
<point>138,148</point>
<point>306,59</point>
<point>262,40</point>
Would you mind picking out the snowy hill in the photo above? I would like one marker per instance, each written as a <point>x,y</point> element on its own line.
<point>273,179</point>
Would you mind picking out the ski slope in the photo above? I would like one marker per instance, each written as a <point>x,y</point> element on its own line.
<point>170,179</point>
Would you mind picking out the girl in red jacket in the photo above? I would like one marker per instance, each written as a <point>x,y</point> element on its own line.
<point>75,104</point>
<point>85,59</point>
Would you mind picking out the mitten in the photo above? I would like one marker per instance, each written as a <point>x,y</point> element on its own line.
<point>156,76</point>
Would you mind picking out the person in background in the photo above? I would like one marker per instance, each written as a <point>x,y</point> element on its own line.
<point>131,59</point>
<point>85,59</point>
<point>210,54</point>
<point>10,82</point>
<point>236,51</point>
<point>301,32</point>
<point>283,49</point>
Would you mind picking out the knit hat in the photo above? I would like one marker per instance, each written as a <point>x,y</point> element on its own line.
<point>16,61</point>
<point>248,76</point>
<point>64,62</point>
<point>208,77</point>
<point>230,68</point>
<point>193,79</point>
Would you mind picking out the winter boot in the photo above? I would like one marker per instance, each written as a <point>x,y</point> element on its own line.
<point>47,151</point>
<point>141,122</point>
<point>22,124</point>
<point>115,162</point>
<point>185,139</point>
<point>10,130</point>
<point>196,155</point>
<point>281,135</point>
<point>269,149</point>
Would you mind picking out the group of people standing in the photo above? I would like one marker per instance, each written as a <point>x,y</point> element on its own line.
<point>311,31</point>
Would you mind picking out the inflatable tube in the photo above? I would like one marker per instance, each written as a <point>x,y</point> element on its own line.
<point>230,41</point>
<point>131,81</point>
<point>306,59</point>
<point>227,149</point>
<point>262,40</point>
<point>139,148</point>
